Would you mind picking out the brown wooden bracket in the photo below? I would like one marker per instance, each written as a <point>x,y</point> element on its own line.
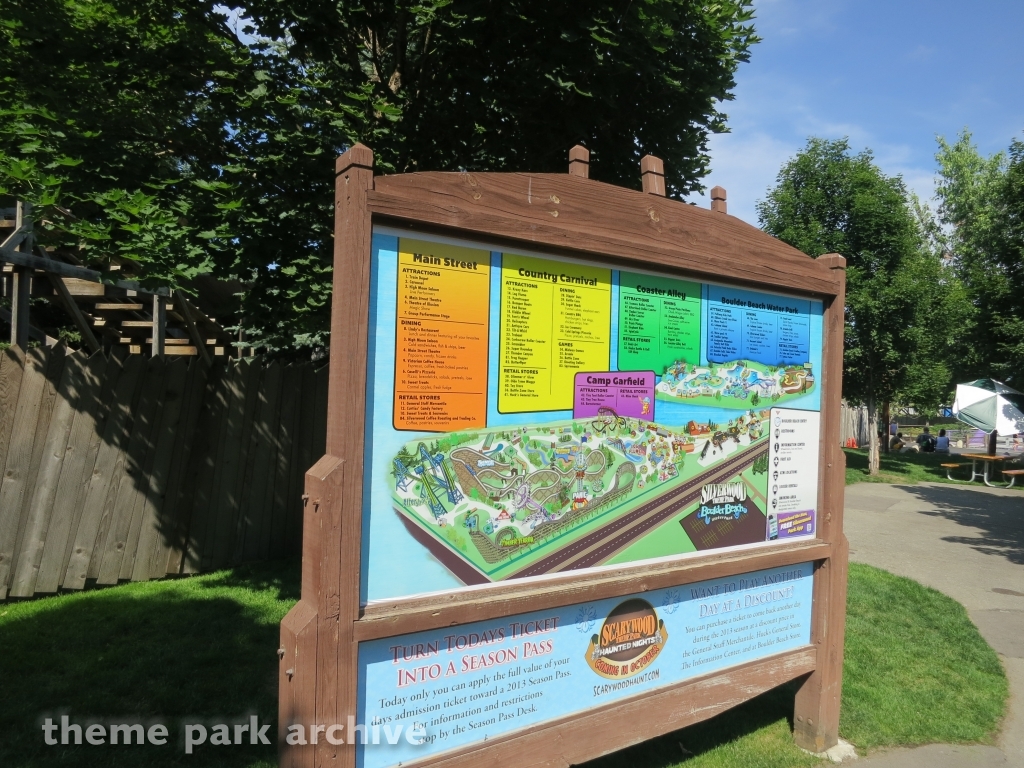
<point>718,202</point>
<point>579,162</point>
<point>358,156</point>
<point>833,261</point>
<point>652,174</point>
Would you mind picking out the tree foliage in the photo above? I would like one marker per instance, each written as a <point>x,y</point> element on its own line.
<point>982,206</point>
<point>109,129</point>
<point>187,145</point>
<point>904,308</point>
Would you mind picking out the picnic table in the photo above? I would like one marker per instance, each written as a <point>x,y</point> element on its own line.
<point>988,461</point>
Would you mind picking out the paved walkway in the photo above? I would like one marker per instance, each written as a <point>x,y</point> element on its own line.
<point>967,542</point>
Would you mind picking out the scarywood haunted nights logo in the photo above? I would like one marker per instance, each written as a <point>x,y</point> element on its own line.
<point>629,641</point>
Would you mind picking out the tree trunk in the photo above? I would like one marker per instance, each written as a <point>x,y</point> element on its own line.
<point>886,421</point>
<point>872,435</point>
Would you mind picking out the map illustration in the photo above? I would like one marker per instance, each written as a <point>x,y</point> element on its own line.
<point>512,502</point>
<point>737,384</point>
<point>534,415</point>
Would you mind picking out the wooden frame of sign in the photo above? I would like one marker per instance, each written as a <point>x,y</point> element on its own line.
<point>567,215</point>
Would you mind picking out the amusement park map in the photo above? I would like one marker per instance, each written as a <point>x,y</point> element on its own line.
<point>532,415</point>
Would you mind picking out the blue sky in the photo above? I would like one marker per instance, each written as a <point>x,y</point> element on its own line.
<point>889,75</point>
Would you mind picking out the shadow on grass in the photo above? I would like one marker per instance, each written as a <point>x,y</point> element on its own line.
<point>195,650</point>
<point>758,732</point>
<point>283,578</point>
<point>999,517</point>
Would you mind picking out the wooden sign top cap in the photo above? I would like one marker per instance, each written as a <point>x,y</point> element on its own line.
<point>357,156</point>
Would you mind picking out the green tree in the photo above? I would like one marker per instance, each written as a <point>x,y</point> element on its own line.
<point>110,128</point>
<point>981,202</point>
<point>900,308</point>
<point>229,134</point>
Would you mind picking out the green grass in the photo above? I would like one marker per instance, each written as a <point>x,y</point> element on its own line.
<point>191,649</point>
<point>908,468</point>
<point>916,669</point>
<point>203,648</point>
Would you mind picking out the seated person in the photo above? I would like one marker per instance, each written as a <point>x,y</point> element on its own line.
<point>925,441</point>
<point>896,442</point>
<point>942,442</point>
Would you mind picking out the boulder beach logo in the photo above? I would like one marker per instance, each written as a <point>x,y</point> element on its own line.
<point>720,501</point>
<point>630,639</point>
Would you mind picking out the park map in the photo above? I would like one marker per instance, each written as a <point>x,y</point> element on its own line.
<point>561,410</point>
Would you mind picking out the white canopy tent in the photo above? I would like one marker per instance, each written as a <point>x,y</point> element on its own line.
<point>990,405</point>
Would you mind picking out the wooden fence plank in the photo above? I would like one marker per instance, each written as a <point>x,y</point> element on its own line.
<point>166,557</point>
<point>239,524</point>
<point>44,488</point>
<point>143,481</point>
<point>268,511</point>
<point>109,502</point>
<point>202,470</point>
<point>303,445</point>
<point>86,398</point>
<point>101,488</point>
<point>12,366</point>
<point>137,562</point>
<point>284,480</point>
<point>14,481</point>
<point>108,379</point>
<point>257,495</point>
<point>250,448</point>
<point>123,511</point>
<point>217,508</point>
<point>53,367</point>
<point>234,458</point>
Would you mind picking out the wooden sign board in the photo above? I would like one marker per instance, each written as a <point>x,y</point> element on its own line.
<point>583,483</point>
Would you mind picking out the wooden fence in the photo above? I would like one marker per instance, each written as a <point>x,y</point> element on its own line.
<point>122,467</point>
<point>853,424</point>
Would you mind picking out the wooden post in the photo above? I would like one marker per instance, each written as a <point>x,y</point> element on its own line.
<point>88,337</point>
<point>190,323</point>
<point>816,715</point>
<point>21,283</point>
<point>718,200</point>
<point>579,162</point>
<point>159,324</point>
<point>318,670</point>
<point>652,173</point>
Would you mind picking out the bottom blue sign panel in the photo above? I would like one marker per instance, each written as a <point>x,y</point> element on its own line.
<point>435,691</point>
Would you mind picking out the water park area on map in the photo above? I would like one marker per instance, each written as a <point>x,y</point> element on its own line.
<point>737,384</point>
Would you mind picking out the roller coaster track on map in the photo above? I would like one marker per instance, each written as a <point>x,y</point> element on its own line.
<point>598,546</point>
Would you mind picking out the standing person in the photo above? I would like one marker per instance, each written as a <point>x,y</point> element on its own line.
<point>942,442</point>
